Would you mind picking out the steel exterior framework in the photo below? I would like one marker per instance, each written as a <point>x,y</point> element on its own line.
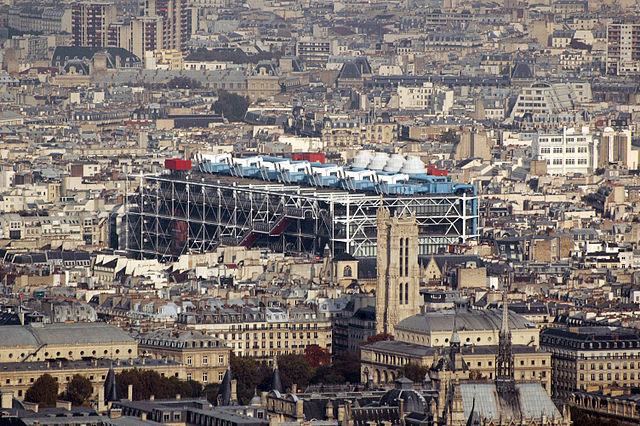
<point>170,215</point>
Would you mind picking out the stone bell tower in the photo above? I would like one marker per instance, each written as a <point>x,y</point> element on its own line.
<point>398,286</point>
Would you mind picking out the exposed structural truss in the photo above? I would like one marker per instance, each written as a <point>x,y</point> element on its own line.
<point>170,215</point>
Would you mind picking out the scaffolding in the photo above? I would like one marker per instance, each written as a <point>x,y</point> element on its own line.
<point>173,214</point>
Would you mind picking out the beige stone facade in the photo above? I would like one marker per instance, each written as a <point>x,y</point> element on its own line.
<point>205,359</point>
<point>398,287</point>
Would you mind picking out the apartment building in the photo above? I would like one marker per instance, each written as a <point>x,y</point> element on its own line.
<point>567,152</point>
<point>616,148</point>
<point>592,358</point>
<point>205,358</point>
<point>263,332</point>
<point>176,22</point>
<point>551,103</point>
<point>314,50</point>
<point>429,97</point>
<point>623,49</point>
<point>43,20</point>
<point>90,21</point>
<point>137,35</point>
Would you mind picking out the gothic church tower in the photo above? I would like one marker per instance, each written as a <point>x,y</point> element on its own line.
<point>398,287</point>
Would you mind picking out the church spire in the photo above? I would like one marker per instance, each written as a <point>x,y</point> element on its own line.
<point>505,379</point>
<point>454,343</point>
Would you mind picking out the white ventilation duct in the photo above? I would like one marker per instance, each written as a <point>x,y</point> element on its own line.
<point>395,163</point>
<point>413,166</point>
<point>379,161</point>
<point>362,159</point>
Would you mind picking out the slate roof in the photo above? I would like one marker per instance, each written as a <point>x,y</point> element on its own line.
<point>60,334</point>
<point>534,402</point>
<point>465,320</point>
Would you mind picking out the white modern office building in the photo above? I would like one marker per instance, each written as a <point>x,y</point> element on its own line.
<point>566,152</point>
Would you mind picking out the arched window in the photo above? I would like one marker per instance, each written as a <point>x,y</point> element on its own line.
<point>347,272</point>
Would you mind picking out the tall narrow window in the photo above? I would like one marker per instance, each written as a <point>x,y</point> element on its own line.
<point>400,257</point>
<point>400,293</point>
<point>406,293</point>
<point>406,257</point>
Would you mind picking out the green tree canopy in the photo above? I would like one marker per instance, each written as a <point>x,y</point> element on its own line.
<point>183,83</point>
<point>147,382</point>
<point>294,369</point>
<point>233,107</point>
<point>414,372</point>
<point>43,391</point>
<point>251,376</point>
<point>79,390</point>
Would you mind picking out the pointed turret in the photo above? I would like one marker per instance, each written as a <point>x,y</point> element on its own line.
<point>474,417</point>
<point>276,383</point>
<point>110,386</point>
<point>505,378</point>
<point>454,345</point>
<point>224,394</point>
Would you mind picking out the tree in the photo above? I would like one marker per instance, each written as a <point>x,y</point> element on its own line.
<point>79,390</point>
<point>450,136</point>
<point>211,392</point>
<point>183,83</point>
<point>414,372</point>
<point>294,368</point>
<point>233,107</point>
<point>43,391</point>
<point>379,337</point>
<point>251,376</point>
<point>348,366</point>
<point>147,382</point>
<point>317,356</point>
<point>476,375</point>
<point>327,375</point>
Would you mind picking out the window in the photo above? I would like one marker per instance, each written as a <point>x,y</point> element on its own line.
<point>220,376</point>
<point>205,360</point>
<point>347,272</point>
<point>189,360</point>
<point>221,357</point>
<point>205,377</point>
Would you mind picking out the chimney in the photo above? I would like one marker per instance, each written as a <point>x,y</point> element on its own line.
<point>152,398</point>
<point>130,392</point>
<point>178,396</point>
<point>299,409</point>
<point>65,405</point>
<point>234,390</point>
<point>31,406</point>
<point>115,413</point>
<point>329,410</point>
<point>101,405</point>
<point>143,416</point>
<point>340,414</point>
<point>7,399</point>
